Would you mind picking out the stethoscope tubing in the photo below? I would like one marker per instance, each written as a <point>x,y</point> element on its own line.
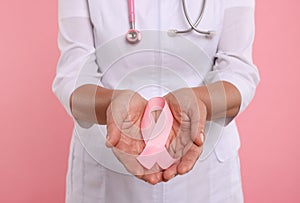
<point>133,36</point>
<point>173,32</point>
<point>131,13</point>
<point>193,26</point>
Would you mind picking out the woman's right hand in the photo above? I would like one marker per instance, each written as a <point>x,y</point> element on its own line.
<point>124,115</point>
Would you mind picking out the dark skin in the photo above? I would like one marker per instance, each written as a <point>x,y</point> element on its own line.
<point>122,111</point>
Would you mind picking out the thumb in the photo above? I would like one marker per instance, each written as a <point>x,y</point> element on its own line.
<point>198,120</point>
<point>113,134</point>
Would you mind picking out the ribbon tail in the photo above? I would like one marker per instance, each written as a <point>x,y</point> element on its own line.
<point>163,159</point>
<point>147,161</point>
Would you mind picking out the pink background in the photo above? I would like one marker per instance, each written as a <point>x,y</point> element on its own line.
<point>35,130</point>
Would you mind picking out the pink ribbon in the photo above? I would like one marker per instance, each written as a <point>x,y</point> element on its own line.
<point>156,135</point>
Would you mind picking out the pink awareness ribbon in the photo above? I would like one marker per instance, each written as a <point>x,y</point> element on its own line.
<point>156,135</point>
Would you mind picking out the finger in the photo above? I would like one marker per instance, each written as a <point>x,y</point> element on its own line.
<point>198,120</point>
<point>113,134</point>
<point>153,178</point>
<point>171,172</point>
<point>198,138</point>
<point>189,159</point>
<point>176,118</point>
<point>197,113</point>
<point>153,175</point>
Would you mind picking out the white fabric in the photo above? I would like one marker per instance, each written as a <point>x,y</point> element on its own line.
<point>210,181</point>
<point>87,28</point>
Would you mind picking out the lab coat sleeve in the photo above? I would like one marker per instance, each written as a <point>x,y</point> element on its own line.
<point>233,60</point>
<point>77,62</point>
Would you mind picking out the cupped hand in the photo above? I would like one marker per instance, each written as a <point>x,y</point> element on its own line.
<point>124,116</point>
<point>186,138</point>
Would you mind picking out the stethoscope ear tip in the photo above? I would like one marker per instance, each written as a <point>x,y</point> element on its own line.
<point>210,34</point>
<point>172,33</point>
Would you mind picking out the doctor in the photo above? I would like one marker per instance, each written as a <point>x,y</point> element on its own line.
<point>105,81</point>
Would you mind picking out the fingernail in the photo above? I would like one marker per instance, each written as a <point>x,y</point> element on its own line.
<point>202,137</point>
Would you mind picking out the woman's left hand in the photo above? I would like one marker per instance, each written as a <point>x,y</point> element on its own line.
<point>186,138</point>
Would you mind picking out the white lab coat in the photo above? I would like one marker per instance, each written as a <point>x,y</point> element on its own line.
<point>94,51</point>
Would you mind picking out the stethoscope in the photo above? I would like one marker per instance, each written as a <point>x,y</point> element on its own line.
<point>133,35</point>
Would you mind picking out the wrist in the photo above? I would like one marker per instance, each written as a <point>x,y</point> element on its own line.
<point>221,99</point>
<point>103,99</point>
<point>202,95</point>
